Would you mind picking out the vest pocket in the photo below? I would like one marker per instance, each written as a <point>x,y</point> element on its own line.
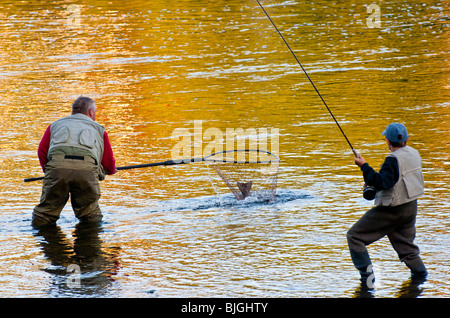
<point>61,136</point>
<point>87,139</point>
<point>413,181</point>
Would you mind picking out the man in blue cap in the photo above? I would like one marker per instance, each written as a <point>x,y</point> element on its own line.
<point>398,184</point>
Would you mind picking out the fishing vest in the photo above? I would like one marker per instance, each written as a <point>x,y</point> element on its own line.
<point>410,184</point>
<point>78,132</point>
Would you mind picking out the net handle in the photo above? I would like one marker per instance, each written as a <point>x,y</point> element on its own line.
<point>183,161</point>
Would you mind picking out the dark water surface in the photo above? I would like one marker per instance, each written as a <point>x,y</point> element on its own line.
<point>154,67</point>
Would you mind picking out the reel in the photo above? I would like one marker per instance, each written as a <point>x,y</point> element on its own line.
<point>369,193</point>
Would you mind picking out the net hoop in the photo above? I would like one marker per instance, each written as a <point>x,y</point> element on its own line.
<point>210,158</point>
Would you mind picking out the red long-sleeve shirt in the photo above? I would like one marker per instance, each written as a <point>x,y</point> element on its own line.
<point>108,161</point>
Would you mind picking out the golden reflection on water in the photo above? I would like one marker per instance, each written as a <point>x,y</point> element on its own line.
<point>156,66</point>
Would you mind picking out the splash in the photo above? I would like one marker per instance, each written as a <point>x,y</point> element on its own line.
<point>284,197</point>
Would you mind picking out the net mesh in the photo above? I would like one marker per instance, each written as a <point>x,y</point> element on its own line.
<point>247,173</point>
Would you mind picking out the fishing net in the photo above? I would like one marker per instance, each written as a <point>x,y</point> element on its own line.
<point>247,173</point>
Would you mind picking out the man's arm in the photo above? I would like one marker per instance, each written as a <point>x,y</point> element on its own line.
<point>43,148</point>
<point>386,178</point>
<point>108,161</point>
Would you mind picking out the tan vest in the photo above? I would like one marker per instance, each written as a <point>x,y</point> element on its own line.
<point>410,184</point>
<point>78,132</point>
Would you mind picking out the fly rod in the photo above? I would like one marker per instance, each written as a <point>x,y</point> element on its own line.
<point>287,44</point>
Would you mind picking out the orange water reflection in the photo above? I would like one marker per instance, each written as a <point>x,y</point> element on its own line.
<point>156,66</point>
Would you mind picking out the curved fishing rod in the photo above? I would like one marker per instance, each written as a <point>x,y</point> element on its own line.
<point>287,44</point>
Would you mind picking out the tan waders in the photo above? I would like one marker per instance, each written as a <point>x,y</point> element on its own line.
<point>76,176</point>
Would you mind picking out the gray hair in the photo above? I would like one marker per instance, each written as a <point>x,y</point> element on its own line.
<point>82,105</point>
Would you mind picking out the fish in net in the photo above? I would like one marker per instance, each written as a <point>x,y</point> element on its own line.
<point>247,173</point>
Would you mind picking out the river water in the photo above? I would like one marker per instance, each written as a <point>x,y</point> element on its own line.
<point>158,67</point>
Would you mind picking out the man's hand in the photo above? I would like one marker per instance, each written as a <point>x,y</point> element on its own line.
<point>359,160</point>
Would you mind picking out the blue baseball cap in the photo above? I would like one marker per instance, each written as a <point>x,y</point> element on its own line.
<point>396,132</point>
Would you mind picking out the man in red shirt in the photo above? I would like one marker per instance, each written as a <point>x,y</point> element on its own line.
<point>75,153</point>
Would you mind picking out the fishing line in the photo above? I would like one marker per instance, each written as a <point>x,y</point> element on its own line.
<point>310,80</point>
